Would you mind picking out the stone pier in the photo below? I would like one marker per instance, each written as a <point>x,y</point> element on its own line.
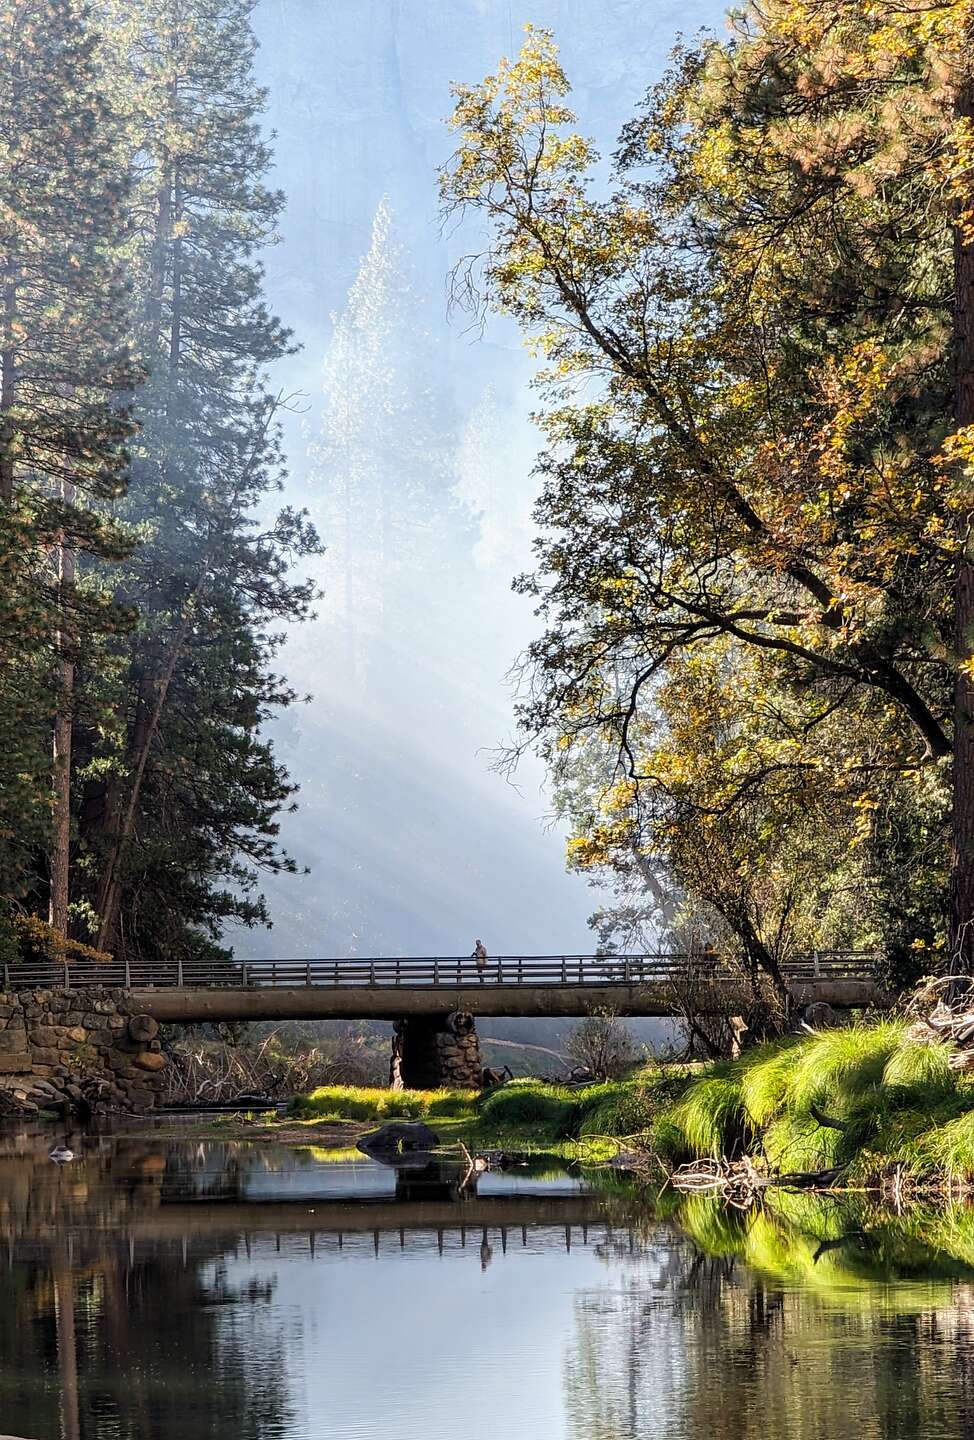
<point>430,1052</point>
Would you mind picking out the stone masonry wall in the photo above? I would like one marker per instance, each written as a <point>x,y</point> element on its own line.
<point>430,1051</point>
<point>77,1051</point>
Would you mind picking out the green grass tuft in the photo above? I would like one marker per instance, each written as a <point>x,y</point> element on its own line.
<point>353,1102</point>
<point>949,1147</point>
<point>711,1116</point>
<point>551,1108</point>
<point>920,1071</point>
<point>839,1067</point>
<point>797,1142</point>
<point>766,1079</point>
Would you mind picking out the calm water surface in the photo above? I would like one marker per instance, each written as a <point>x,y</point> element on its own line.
<point>181,1290</point>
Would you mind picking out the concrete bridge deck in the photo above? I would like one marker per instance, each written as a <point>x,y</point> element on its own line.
<point>654,985</point>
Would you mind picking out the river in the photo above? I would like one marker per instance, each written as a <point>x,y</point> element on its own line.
<point>194,1290</point>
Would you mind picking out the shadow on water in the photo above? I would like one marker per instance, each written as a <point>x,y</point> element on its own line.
<point>207,1290</point>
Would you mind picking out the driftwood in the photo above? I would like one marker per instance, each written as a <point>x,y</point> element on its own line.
<point>739,1182</point>
<point>942,1011</point>
<point>827,1121</point>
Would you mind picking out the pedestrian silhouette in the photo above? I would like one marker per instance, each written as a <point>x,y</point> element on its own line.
<point>480,955</point>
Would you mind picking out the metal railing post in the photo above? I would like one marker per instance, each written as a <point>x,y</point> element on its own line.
<point>128,973</point>
<point>436,971</point>
<point>6,976</point>
<point>243,974</point>
<point>564,971</point>
<point>67,982</point>
<point>179,970</point>
<point>625,970</point>
<point>307,972</point>
<point>371,972</point>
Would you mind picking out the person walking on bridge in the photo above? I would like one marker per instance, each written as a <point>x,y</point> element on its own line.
<point>480,955</point>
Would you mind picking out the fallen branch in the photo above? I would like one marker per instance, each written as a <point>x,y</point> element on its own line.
<point>740,1183</point>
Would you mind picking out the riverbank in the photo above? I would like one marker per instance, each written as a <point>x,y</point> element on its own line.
<point>868,1101</point>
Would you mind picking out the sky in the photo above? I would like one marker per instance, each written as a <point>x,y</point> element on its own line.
<point>411,444</point>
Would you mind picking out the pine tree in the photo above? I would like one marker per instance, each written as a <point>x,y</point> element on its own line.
<point>65,378</point>
<point>181,809</point>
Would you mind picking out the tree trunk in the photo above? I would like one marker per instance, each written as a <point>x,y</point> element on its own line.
<point>67,1345</point>
<point>111,877</point>
<point>176,319</point>
<point>961,938</point>
<point>63,724</point>
<point>8,390</point>
<point>159,262</point>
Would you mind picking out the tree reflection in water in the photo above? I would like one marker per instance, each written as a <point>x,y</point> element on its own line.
<point>806,1319</point>
<point>143,1298</point>
<point>96,1339</point>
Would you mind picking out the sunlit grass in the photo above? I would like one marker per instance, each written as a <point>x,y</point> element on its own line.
<point>841,1066</point>
<point>711,1116</point>
<point>887,1102</point>
<point>353,1102</point>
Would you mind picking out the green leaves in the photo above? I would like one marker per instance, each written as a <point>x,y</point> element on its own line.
<point>747,514</point>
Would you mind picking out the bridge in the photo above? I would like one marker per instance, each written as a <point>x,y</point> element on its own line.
<point>384,988</point>
<point>435,1000</point>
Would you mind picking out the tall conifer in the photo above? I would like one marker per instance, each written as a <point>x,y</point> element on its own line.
<point>188,804</point>
<point>64,380</point>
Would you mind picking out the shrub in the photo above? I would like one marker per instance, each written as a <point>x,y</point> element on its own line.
<point>604,1045</point>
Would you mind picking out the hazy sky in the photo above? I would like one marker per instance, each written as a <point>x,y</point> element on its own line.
<point>415,846</point>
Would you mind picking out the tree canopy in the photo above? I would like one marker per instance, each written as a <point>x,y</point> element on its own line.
<point>755,494</point>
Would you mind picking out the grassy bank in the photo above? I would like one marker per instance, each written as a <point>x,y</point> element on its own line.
<point>524,1115</point>
<point>868,1098</point>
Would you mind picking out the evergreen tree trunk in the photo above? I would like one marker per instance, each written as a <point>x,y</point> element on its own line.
<point>108,900</point>
<point>161,242</point>
<point>962,855</point>
<point>8,386</point>
<point>63,722</point>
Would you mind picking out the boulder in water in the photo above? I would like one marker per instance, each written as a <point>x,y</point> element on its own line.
<point>399,1137</point>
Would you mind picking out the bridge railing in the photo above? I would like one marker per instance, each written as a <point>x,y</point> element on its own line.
<point>434,971</point>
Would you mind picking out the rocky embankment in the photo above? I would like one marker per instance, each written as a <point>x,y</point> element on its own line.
<point>77,1051</point>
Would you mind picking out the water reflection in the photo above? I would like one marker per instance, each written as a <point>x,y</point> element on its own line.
<point>182,1290</point>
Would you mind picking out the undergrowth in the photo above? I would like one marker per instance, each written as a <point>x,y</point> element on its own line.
<point>865,1098</point>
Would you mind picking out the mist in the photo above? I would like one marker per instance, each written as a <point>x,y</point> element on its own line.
<point>410,442</point>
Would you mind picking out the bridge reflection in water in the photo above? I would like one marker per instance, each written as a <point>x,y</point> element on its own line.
<point>119,1265</point>
<point>145,1296</point>
<point>133,1194</point>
